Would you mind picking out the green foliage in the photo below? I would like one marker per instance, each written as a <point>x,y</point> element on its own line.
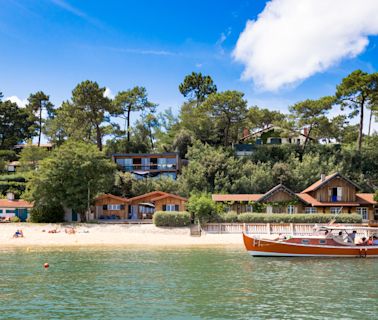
<point>30,156</point>
<point>260,118</point>
<point>129,101</point>
<point>357,91</point>
<point>15,219</point>
<point>297,218</point>
<point>171,218</point>
<point>202,207</point>
<point>229,217</point>
<point>68,174</point>
<point>15,124</point>
<point>47,214</point>
<point>197,87</point>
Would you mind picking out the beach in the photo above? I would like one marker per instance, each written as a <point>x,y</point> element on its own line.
<point>89,234</point>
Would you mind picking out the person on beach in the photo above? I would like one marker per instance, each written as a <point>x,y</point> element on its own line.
<point>18,234</point>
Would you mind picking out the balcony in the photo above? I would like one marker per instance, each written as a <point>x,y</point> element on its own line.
<point>151,167</point>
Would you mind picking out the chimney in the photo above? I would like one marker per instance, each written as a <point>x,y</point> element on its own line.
<point>10,196</point>
<point>322,177</point>
<point>245,133</point>
<point>305,131</point>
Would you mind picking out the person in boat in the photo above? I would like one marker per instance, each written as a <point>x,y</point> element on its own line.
<point>361,241</point>
<point>375,241</point>
<point>281,237</point>
<point>339,237</point>
<point>352,236</point>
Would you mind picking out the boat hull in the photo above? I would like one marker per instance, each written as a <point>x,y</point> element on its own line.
<point>272,248</point>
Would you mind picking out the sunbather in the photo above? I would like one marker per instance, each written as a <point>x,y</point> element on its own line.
<point>18,234</point>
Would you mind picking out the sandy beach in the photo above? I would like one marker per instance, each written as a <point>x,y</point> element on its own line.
<point>109,235</point>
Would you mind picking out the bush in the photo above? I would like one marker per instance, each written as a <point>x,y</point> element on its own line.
<point>229,217</point>
<point>202,207</point>
<point>297,218</point>
<point>171,218</point>
<point>44,214</point>
<point>15,219</point>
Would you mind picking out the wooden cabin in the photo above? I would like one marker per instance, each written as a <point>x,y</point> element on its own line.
<point>331,194</point>
<point>140,207</point>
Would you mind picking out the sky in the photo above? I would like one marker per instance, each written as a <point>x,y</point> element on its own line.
<point>277,52</point>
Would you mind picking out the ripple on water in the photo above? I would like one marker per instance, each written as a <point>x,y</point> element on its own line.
<point>183,284</point>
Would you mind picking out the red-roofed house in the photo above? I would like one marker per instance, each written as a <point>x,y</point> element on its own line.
<point>331,194</point>
<point>10,208</point>
<point>140,207</point>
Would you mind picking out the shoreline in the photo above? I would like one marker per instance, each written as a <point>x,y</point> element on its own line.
<point>101,235</point>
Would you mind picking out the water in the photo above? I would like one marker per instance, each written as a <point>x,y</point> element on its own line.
<point>183,284</point>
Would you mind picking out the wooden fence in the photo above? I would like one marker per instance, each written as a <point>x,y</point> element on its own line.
<point>269,228</point>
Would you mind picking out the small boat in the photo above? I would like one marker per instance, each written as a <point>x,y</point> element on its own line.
<point>327,241</point>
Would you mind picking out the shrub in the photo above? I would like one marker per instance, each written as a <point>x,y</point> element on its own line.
<point>202,207</point>
<point>15,219</point>
<point>171,218</point>
<point>229,217</point>
<point>297,218</point>
<point>47,214</point>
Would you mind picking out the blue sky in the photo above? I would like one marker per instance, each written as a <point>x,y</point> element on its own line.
<point>53,45</point>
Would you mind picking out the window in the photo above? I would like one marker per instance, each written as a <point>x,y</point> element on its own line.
<point>10,211</point>
<point>310,210</point>
<point>248,208</point>
<point>171,207</point>
<point>336,194</point>
<point>305,241</point>
<point>322,241</point>
<point>166,163</point>
<point>335,210</point>
<point>114,207</point>
<point>290,209</point>
<point>364,212</point>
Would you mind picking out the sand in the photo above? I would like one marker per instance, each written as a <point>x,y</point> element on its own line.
<point>109,235</point>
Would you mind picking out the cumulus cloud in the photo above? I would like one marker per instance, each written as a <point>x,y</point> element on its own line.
<point>20,102</point>
<point>108,93</point>
<point>292,40</point>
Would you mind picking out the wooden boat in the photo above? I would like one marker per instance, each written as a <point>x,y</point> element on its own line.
<point>330,244</point>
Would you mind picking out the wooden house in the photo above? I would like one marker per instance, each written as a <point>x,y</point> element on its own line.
<point>331,194</point>
<point>140,207</point>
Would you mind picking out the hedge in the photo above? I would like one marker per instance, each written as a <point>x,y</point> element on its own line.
<point>171,218</point>
<point>297,218</point>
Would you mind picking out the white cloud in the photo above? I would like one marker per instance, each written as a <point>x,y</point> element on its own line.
<point>108,93</point>
<point>292,40</point>
<point>20,102</point>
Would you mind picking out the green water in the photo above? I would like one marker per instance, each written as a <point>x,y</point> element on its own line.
<point>183,284</point>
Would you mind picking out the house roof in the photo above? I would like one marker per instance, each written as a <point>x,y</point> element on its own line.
<point>149,194</point>
<point>327,179</point>
<point>5,203</point>
<point>108,195</point>
<point>367,198</point>
<point>169,195</point>
<point>236,197</point>
<point>253,134</point>
<point>277,188</point>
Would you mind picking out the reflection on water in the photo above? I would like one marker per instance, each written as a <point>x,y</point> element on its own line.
<point>183,284</point>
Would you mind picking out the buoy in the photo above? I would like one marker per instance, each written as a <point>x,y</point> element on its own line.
<point>46,265</point>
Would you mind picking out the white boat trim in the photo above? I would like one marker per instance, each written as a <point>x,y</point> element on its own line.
<point>276,254</point>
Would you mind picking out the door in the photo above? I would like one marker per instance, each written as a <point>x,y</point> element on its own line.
<point>22,214</point>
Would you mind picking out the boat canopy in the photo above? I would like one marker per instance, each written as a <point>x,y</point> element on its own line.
<point>345,228</point>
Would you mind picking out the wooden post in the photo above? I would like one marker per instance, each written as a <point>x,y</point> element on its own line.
<point>268,231</point>
<point>292,228</point>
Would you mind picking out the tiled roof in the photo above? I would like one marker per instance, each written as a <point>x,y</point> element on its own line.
<point>157,193</point>
<point>169,195</point>
<point>366,198</point>
<point>236,197</point>
<point>5,203</point>
<point>318,183</point>
<point>108,195</point>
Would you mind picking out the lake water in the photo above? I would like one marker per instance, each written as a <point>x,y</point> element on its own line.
<point>183,284</point>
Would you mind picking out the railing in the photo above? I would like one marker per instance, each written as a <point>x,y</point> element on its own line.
<point>268,228</point>
<point>145,167</point>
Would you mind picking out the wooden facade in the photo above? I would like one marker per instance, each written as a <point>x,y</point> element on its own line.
<point>332,194</point>
<point>140,207</point>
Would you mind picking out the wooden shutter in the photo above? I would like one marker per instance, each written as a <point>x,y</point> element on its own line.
<point>105,207</point>
<point>164,207</point>
<point>177,207</point>
<point>122,207</point>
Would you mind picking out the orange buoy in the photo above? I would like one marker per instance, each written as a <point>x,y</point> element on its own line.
<point>46,265</point>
